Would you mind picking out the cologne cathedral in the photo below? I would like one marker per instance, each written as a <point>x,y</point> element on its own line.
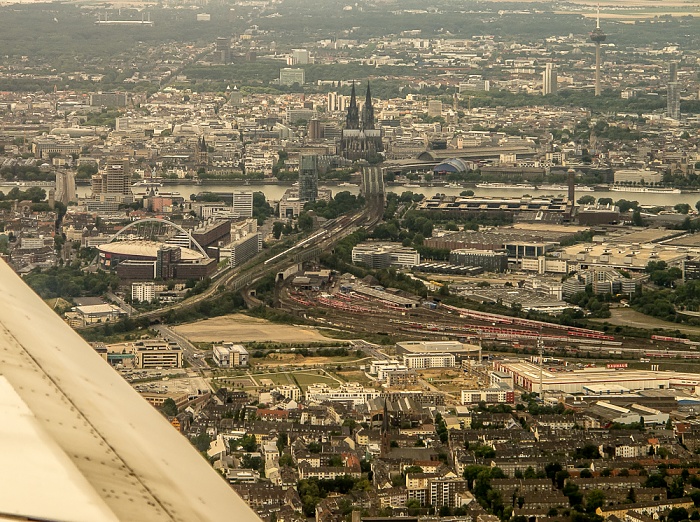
<point>360,140</point>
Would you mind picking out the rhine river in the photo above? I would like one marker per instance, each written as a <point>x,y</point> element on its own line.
<point>275,192</point>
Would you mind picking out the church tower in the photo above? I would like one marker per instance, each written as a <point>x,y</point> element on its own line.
<point>352,120</point>
<point>368,111</point>
<point>202,152</point>
<point>386,439</point>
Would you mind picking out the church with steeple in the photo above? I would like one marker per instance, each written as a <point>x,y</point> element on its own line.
<point>201,152</point>
<point>360,139</point>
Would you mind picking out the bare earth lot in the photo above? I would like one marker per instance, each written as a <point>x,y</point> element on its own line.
<point>629,317</point>
<point>240,328</point>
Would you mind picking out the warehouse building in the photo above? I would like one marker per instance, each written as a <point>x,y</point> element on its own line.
<point>527,376</point>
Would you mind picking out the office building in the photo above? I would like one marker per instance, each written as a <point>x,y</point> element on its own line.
<point>673,100</point>
<point>111,187</point>
<point>300,57</point>
<point>245,248</point>
<point>290,76</point>
<point>46,146</point>
<point>157,354</point>
<point>222,53</point>
<point>434,108</point>
<point>383,255</point>
<point>308,177</point>
<point>637,176</point>
<point>488,395</point>
<point>332,103</point>
<point>108,100</point>
<point>347,392</point>
<point>243,203</point>
<point>229,355</point>
<point>549,79</point>
<point>143,292</point>
<point>425,361</point>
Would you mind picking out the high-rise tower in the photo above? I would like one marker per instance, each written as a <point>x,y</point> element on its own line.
<point>549,79</point>
<point>597,37</point>
<point>673,94</point>
<point>308,177</point>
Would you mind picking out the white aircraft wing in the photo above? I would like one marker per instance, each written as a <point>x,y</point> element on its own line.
<point>77,443</point>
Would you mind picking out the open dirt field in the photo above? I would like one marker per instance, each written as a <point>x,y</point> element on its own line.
<point>629,317</point>
<point>239,328</point>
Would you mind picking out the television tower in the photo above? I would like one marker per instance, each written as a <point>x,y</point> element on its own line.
<point>597,37</point>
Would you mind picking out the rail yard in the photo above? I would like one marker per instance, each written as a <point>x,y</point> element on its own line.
<point>384,313</point>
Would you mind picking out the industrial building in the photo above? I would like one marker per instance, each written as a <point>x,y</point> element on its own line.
<point>98,313</point>
<point>542,209</point>
<point>489,260</point>
<point>590,381</point>
<point>594,215</point>
<point>608,413</point>
<point>461,351</point>
<point>618,255</point>
<point>386,295</point>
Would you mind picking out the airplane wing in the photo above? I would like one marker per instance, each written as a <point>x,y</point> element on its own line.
<point>77,443</point>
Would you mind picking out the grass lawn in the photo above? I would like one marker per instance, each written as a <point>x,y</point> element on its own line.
<point>306,378</point>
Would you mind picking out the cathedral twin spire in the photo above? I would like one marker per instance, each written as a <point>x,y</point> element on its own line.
<point>353,120</point>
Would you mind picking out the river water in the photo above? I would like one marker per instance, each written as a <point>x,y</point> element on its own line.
<point>275,192</point>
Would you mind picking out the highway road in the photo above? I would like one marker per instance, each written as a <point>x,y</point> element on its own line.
<point>123,304</point>
<point>194,357</point>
